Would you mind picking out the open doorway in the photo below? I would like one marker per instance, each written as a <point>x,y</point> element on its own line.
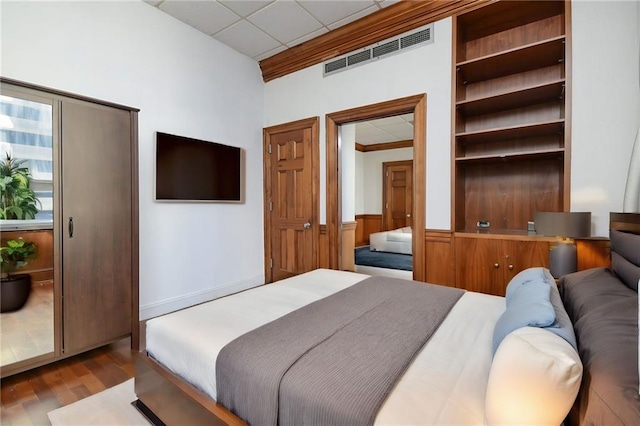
<point>378,178</point>
<point>415,105</point>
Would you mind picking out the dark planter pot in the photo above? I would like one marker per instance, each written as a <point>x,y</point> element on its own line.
<point>15,292</point>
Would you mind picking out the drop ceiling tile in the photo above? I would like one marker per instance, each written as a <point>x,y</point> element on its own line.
<point>247,39</point>
<point>403,130</point>
<point>285,21</point>
<point>270,53</point>
<point>353,17</point>
<point>407,117</point>
<point>207,16</point>
<point>368,131</point>
<point>381,122</point>
<point>245,8</point>
<point>307,37</point>
<point>329,12</point>
<point>385,3</point>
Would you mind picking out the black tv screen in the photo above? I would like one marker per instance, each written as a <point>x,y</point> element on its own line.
<point>195,170</point>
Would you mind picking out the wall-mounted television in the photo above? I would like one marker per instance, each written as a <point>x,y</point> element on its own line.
<point>195,170</point>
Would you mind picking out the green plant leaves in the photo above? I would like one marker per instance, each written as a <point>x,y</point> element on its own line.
<point>15,254</point>
<point>17,199</point>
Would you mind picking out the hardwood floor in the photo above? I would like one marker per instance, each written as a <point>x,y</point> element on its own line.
<point>27,397</point>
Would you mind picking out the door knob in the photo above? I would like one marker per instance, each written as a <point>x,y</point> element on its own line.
<point>307,225</point>
<point>408,214</point>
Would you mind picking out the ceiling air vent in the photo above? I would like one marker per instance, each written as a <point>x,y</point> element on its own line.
<point>382,49</point>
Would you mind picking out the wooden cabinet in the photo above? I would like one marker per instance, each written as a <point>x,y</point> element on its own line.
<point>94,209</point>
<point>511,142</point>
<point>97,208</point>
<point>487,265</point>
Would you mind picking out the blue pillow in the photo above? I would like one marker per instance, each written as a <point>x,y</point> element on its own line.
<point>524,277</point>
<point>528,305</point>
<point>562,326</point>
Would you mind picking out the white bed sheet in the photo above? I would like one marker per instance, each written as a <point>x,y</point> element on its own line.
<point>445,384</point>
<point>384,272</point>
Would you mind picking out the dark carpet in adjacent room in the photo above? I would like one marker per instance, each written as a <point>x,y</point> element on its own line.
<point>381,259</point>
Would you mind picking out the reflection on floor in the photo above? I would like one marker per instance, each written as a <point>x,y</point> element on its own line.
<point>28,332</point>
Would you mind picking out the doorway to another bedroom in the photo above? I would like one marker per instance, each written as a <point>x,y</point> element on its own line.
<point>382,190</point>
<point>367,223</point>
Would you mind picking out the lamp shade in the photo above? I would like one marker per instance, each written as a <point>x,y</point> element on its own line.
<point>563,224</point>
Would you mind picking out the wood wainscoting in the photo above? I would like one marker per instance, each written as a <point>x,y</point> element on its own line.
<point>439,257</point>
<point>593,253</point>
<point>367,224</point>
<point>348,239</point>
<point>41,267</point>
<point>348,236</point>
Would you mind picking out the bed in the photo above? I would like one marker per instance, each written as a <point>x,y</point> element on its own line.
<point>382,263</point>
<point>491,360</point>
<point>394,241</point>
<point>603,306</point>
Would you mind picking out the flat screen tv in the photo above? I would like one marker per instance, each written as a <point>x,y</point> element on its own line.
<point>195,170</point>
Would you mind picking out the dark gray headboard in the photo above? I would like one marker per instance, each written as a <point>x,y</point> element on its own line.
<point>625,247</point>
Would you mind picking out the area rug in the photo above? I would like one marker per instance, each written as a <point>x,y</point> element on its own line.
<point>364,256</point>
<point>109,407</point>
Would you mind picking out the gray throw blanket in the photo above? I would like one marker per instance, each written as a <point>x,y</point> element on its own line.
<point>334,361</point>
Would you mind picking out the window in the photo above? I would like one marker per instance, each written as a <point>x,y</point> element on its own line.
<point>26,133</point>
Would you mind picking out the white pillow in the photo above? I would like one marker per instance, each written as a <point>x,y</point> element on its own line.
<point>534,379</point>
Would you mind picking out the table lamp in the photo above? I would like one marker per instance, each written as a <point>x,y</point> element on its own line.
<point>565,226</point>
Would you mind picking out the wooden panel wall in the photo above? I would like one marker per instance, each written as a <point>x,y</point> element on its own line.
<point>367,224</point>
<point>348,245</point>
<point>41,267</point>
<point>323,248</point>
<point>439,257</point>
<point>593,253</point>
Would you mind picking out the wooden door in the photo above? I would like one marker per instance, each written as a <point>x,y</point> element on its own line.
<point>397,197</point>
<point>291,181</point>
<point>97,224</point>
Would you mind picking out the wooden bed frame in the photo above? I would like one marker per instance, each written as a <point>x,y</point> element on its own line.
<point>172,401</point>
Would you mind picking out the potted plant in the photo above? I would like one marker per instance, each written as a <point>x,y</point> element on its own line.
<point>17,199</point>
<point>15,288</point>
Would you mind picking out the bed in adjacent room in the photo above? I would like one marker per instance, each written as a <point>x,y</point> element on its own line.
<point>372,262</point>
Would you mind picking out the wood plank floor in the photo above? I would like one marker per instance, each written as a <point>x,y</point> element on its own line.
<point>27,397</point>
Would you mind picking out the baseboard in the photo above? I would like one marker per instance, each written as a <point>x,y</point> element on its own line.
<point>160,308</point>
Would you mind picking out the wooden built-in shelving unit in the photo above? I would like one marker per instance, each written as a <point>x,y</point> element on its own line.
<point>510,138</point>
<point>511,149</point>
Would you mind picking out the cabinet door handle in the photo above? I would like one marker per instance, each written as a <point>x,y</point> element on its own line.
<point>511,267</point>
<point>496,265</point>
<point>70,227</point>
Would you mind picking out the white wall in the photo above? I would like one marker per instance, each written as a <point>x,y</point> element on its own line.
<point>372,176</point>
<point>426,69</point>
<point>184,83</point>
<point>347,137</point>
<point>606,105</point>
<point>359,182</point>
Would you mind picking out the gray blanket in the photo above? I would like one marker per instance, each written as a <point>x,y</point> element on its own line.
<point>334,361</point>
